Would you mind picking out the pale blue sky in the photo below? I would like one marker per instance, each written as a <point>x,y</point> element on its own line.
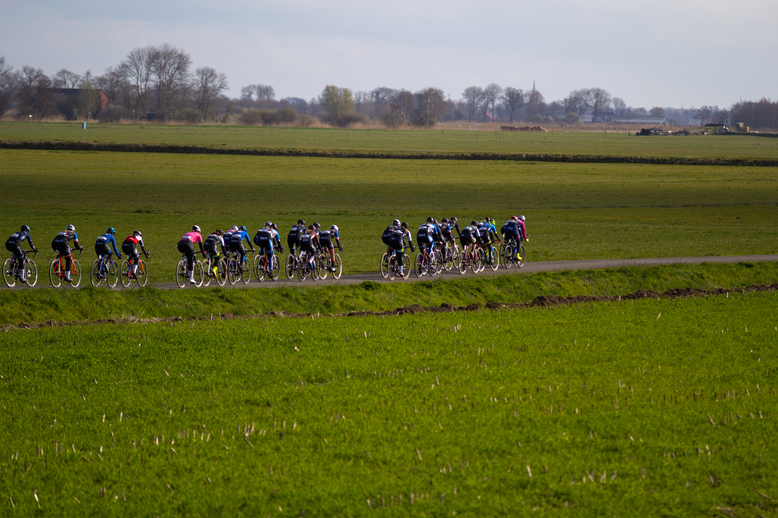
<point>658,53</point>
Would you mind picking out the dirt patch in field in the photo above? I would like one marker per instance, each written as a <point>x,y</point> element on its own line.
<point>542,301</point>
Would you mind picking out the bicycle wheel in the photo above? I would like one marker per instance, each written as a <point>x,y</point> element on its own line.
<point>55,274</point>
<point>30,273</point>
<point>75,274</point>
<point>221,272</point>
<point>505,255</point>
<point>124,273</point>
<point>392,269</point>
<point>275,271</point>
<point>181,273</point>
<point>260,268</point>
<point>477,263</point>
<point>95,276</point>
<point>436,263</point>
<point>207,272</point>
<point>9,272</point>
<point>316,270</point>
<point>384,266</point>
<point>338,267</point>
<point>419,267</point>
<point>521,257</point>
<point>462,266</point>
<point>495,263</point>
<point>323,263</point>
<point>289,267</point>
<point>406,266</point>
<point>303,270</point>
<point>142,275</point>
<point>233,271</point>
<point>198,274</point>
<point>245,271</point>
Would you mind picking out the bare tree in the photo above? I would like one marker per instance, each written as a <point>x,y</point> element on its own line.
<point>27,80</point>
<point>298,104</point>
<point>600,99</point>
<point>492,93</point>
<point>402,104</point>
<point>208,85</point>
<point>66,79</point>
<point>170,68</point>
<point>382,95</point>
<point>136,72</point>
<point>362,101</point>
<point>535,102</point>
<point>512,100</point>
<point>619,106</point>
<point>110,83</point>
<point>7,86</point>
<point>704,115</point>
<point>578,102</point>
<point>473,96</point>
<point>430,103</point>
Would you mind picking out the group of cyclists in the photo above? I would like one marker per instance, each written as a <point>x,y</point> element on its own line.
<point>433,233</point>
<point>309,239</point>
<point>300,238</point>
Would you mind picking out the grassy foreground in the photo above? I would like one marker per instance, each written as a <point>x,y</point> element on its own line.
<point>442,140</point>
<point>90,304</point>
<point>612,409</point>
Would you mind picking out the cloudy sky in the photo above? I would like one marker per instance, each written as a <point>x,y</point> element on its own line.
<point>658,53</point>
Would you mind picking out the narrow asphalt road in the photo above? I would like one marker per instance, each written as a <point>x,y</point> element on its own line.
<point>548,266</point>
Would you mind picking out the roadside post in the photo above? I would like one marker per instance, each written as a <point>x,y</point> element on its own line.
<point>83,131</point>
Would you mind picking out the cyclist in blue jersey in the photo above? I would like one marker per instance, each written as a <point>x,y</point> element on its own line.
<point>14,245</point>
<point>293,238</point>
<point>106,245</point>
<point>488,231</point>
<point>236,242</point>
<point>425,235</point>
<point>265,238</point>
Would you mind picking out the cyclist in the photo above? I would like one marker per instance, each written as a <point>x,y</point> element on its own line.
<point>236,242</point>
<point>14,245</point>
<point>386,237</point>
<point>425,236</point>
<point>264,239</point>
<point>325,239</point>
<point>61,245</point>
<point>469,237</point>
<point>227,236</point>
<point>488,230</point>
<point>276,237</point>
<point>186,247</point>
<point>210,246</point>
<point>309,243</point>
<point>514,230</point>
<point>397,243</point>
<point>130,247</point>
<point>105,243</point>
<point>293,238</point>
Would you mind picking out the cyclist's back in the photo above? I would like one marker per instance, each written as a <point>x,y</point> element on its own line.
<point>14,245</point>
<point>105,244</point>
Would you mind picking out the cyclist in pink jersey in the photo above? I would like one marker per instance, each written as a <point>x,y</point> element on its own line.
<point>186,247</point>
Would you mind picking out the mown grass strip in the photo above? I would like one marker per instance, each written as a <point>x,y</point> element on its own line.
<point>89,304</point>
<point>386,154</point>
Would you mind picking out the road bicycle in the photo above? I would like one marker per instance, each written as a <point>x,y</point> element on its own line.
<point>58,271</point>
<point>308,267</point>
<point>512,254</point>
<point>104,270</point>
<point>327,266</point>
<point>292,264</point>
<point>449,254</point>
<point>491,257</point>
<point>214,268</point>
<point>239,270</point>
<point>11,271</point>
<point>141,276</point>
<point>182,277</point>
<point>390,266</point>
<point>263,269</point>
<point>470,257</point>
<point>427,263</point>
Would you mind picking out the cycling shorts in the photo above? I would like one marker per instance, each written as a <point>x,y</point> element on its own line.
<point>129,248</point>
<point>102,249</point>
<point>61,246</point>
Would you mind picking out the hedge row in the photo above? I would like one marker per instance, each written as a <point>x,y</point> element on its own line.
<point>393,155</point>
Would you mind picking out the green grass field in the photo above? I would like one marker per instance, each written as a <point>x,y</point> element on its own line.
<point>620,409</point>
<point>604,143</point>
<point>574,211</point>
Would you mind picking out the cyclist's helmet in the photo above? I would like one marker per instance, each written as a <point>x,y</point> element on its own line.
<point>137,233</point>
<point>334,227</point>
<point>195,228</point>
<point>301,222</point>
<point>70,227</point>
<point>310,227</point>
<point>444,220</point>
<point>404,224</point>
<point>317,225</point>
<point>234,228</point>
<point>218,232</point>
<point>474,223</point>
<point>522,217</point>
<point>25,228</point>
<point>268,224</point>
<point>396,222</point>
<point>453,219</point>
<point>514,217</point>
<point>275,227</point>
<point>243,228</point>
<point>429,219</point>
<point>110,230</point>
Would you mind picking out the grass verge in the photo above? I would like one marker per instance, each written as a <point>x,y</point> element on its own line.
<point>89,304</point>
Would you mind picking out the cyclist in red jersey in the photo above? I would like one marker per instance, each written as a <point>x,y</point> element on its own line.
<point>186,247</point>
<point>129,247</point>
